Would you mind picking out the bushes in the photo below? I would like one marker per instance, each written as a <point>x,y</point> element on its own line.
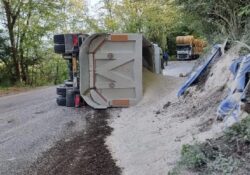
<point>228,154</point>
<point>4,76</point>
<point>193,157</point>
<point>49,70</point>
<point>222,165</point>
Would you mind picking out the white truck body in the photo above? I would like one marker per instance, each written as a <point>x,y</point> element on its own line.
<point>111,69</point>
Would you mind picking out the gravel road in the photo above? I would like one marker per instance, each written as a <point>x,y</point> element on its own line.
<point>32,125</point>
<point>175,68</point>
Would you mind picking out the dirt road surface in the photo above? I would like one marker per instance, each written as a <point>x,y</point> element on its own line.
<point>38,137</point>
<point>175,68</point>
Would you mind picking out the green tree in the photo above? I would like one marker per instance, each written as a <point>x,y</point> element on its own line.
<point>230,17</point>
<point>12,10</point>
<point>5,63</point>
<point>28,24</point>
<point>156,19</point>
<point>74,16</point>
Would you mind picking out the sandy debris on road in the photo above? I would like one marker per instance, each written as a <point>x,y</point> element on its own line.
<point>147,138</point>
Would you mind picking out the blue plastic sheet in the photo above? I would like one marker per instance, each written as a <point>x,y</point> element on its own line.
<point>229,107</point>
<point>235,66</point>
<point>242,72</point>
<point>216,52</point>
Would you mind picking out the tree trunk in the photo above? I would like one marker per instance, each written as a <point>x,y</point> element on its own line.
<point>23,60</point>
<point>23,69</point>
<point>11,21</point>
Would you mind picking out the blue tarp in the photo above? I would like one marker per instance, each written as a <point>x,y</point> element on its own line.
<point>216,52</point>
<point>230,106</point>
<point>235,66</point>
<point>242,72</point>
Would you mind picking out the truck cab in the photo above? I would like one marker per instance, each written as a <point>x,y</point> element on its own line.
<point>184,51</point>
<point>187,47</point>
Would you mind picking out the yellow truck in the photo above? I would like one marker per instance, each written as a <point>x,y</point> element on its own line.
<point>187,47</point>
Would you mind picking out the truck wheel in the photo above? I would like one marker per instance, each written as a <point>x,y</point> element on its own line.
<point>70,97</point>
<point>59,39</point>
<point>61,90</point>
<point>59,48</point>
<point>68,83</point>
<point>61,101</point>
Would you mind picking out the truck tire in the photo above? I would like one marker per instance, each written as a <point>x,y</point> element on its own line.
<point>59,39</point>
<point>59,48</point>
<point>70,97</point>
<point>61,101</point>
<point>61,90</point>
<point>68,83</point>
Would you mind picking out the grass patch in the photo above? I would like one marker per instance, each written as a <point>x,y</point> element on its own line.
<point>228,154</point>
<point>193,156</point>
<point>6,90</point>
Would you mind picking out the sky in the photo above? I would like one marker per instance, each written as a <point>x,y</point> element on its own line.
<point>92,2</point>
<point>92,6</point>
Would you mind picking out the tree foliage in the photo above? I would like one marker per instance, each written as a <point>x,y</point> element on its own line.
<point>73,16</point>
<point>27,25</point>
<point>229,16</point>
<point>155,19</point>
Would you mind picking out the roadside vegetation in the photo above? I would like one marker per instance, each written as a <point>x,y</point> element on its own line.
<point>228,154</point>
<point>27,28</point>
<point>27,58</point>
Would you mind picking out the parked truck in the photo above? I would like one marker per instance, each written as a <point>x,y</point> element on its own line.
<point>105,70</point>
<point>187,47</point>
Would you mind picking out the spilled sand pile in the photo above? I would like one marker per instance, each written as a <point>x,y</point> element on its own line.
<point>220,75</point>
<point>147,138</point>
<point>140,133</point>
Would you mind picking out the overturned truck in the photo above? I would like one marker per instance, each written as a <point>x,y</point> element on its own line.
<point>105,70</point>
